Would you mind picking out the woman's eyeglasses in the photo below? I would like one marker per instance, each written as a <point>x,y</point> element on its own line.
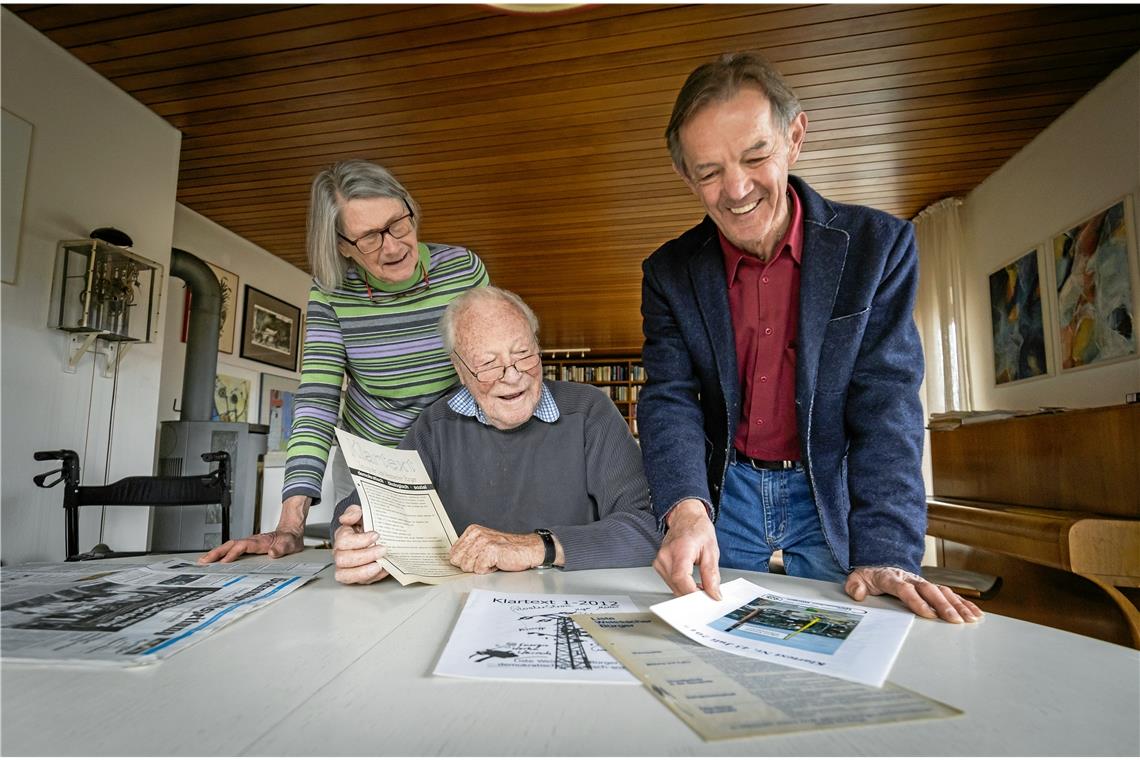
<point>371,242</point>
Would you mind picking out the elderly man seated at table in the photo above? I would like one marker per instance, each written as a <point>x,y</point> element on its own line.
<point>534,473</point>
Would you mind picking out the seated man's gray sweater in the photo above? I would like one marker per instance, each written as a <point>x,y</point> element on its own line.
<point>580,476</point>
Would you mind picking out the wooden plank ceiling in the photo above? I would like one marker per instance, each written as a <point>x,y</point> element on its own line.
<point>537,139</point>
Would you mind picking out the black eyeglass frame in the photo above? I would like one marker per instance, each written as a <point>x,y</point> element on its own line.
<point>502,369</point>
<point>385,231</point>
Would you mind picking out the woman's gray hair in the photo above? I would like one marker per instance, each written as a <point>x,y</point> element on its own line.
<point>344,181</point>
<point>720,80</point>
<point>455,309</point>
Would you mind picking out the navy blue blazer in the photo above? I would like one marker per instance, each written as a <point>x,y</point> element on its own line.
<point>859,365</point>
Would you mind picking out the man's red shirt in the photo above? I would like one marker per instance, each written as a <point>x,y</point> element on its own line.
<point>764,298</point>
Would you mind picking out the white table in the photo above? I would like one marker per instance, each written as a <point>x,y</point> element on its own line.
<point>332,670</point>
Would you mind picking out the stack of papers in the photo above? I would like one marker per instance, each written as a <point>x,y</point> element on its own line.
<point>111,614</point>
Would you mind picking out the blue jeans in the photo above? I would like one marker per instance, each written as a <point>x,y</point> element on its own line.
<point>765,510</point>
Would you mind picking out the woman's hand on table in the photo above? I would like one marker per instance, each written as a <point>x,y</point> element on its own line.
<point>276,544</point>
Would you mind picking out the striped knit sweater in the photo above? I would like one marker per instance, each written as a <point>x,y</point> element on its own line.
<point>385,339</point>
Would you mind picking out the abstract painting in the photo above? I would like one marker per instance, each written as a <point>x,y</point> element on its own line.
<point>1094,289</point>
<point>231,399</point>
<point>1015,308</point>
<point>277,409</point>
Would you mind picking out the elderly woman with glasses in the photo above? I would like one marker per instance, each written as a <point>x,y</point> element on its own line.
<point>372,319</point>
<point>534,473</point>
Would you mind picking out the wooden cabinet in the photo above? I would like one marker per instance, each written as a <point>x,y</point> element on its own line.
<point>620,378</point>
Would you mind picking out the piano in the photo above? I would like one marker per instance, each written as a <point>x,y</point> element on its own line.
<point>1051,504</point>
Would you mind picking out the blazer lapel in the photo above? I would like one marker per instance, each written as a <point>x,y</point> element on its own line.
<point>706,269</point>
<point>824,255</point>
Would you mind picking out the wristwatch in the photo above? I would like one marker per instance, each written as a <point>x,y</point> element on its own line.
<point>547,541</point>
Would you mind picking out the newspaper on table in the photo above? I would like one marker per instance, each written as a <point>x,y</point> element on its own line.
<point>248,564</point>
<point>401,505</point>
<point>124,615</point>
<point>23,580</point>
<point>721,696</point>
<point>531,637</point>
<point>841,640</point>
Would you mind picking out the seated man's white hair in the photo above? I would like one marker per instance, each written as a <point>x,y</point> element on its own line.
<point>488,293</point>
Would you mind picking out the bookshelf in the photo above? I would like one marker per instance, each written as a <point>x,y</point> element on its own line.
<point>620,378</point>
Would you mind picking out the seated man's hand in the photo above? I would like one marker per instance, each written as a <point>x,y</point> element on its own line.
<point>355,552</point>
<point>690,540</point>
<point>921,596</point>
<point>483,550</point>
<point>276,544</point>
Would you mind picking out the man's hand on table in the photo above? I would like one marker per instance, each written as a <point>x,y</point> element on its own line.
<point>690,540</point>
<point>355,553</point>
<point>483,550</point>
<point>921,596</point>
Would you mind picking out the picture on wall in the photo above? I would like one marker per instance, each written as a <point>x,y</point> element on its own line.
<point>1015,308</point>
<point>231,399</point>
<point>229,285</point>
<point>270,330</point>
<point>15,152</point>
<point>1094,289</point>
<point>277,394</point>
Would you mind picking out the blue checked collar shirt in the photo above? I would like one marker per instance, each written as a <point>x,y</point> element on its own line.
<point>464,403</point>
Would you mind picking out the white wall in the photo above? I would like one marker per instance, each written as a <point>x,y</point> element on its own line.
<point>254,266</point>
<point>98,159</point>
<point>1085,161</point>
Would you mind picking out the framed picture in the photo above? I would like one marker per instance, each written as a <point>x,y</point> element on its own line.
<point>1018,328</point>
<point>271,330</point>
<point>231,398</point>
<point>17,150</point>
<point>277,395</point>
<point>1093,286</point>
<point>229,285</point>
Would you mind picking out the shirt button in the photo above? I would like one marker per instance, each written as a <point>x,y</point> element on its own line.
<point>767,330</point>
<point>759,422</point>
<point>763,378</point>
<point>764,280</point>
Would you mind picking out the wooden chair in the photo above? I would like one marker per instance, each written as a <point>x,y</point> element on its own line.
<point>156,491</point>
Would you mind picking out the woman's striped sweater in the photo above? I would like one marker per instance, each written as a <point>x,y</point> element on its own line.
<point>385,340</point>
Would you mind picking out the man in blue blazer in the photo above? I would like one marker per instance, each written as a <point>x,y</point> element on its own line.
<point>781,405</point>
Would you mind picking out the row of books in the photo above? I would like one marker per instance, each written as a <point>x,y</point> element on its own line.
<point>595,373</point>
<point>622,393</point>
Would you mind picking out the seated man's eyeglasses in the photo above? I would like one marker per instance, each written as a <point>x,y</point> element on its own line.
<point>371,242</point>
<point>494,374</point>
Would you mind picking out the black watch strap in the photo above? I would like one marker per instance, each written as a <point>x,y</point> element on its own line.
<point>548,542</point>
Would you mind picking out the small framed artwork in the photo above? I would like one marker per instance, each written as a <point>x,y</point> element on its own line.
<point>277,394</point>
<point>229,285</point>
<point>1093,287</point>
<point>271,330</point>
<point>231,398</point>
<point>1018,328</point>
